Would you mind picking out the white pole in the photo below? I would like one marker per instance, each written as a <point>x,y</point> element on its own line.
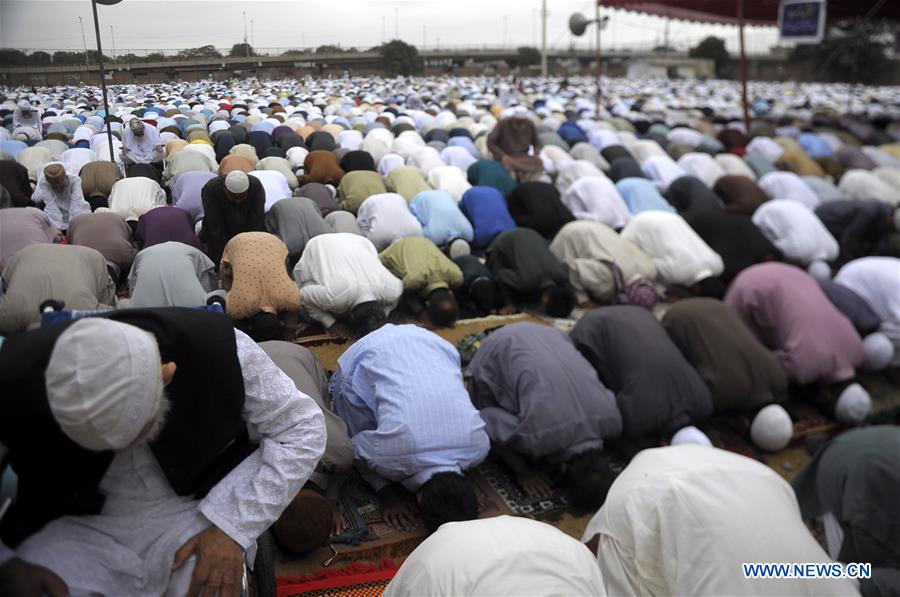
<point>83,39</point>
<point>112,35</point>
<point>544,38</point>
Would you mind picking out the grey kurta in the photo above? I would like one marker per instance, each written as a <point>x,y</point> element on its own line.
<point>295,221</point>
<point>739,371</point>
<point>40,272</point>
<point>856,478</point>
<point>539,396</point>
<point>304,369</point>
<point>657,390</point>
<point>170,274</point>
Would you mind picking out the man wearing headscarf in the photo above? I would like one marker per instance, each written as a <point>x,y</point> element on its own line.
<point>672,503</point>
<point>526,271</point>
<point>853,483</point>
<point>504,555</point>
<point>340,275</point>
<point>61,195</point>
<point>416,427</point>
<point>41,272</point>
<point>816,344</point>
<point>129,497</point>
<point>170,274</point>
<point>141,144</point>
<point>231,205</point>
<point>657,391</point>
<point>544,410</point>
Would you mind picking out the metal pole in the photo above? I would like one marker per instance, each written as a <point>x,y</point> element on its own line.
<point>599,25</point>
<point>246,46</point>
<point>112,156</point>
<point>83,39</point>
<point>544,38</point>
<point>252,42</point>
<point>424,36</point>
<point>112,36</point>
<point>740,11</point>
<point>396,24</point>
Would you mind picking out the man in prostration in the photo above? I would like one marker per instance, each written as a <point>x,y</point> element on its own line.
<point>818,347</point>
<point>231,205</point>
<point>170,274</point>
<point>61,195</point>
<point>416,427</point>
<point>77,276</point>
<point>682,520</point>
<point>428,278</point>
<point>117,492</point>
<point>526,271</point>
<point>296,220</point>
<point>545,410</point>
<point>23,226</point>
<point>261,293</point>
<point>26,121</point>
<point>108,233</point>
<point>659,394</point>
<point>853,484</point>
<point>341,276</point>
<point>877,281</point>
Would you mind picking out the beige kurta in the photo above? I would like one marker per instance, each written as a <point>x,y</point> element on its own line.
<point>259,279</point>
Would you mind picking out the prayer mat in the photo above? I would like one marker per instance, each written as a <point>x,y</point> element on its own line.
<point>354,580</point>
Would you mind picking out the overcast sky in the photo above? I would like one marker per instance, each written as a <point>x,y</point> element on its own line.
<point>176,24</point>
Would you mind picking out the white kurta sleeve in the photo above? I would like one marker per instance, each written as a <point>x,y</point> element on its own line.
<point>253,495</point>
<point>315,298</point>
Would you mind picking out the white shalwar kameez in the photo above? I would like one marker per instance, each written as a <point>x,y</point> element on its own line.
<point>129,548</point>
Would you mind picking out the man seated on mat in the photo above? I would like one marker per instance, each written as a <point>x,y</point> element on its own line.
<point>400,391</point>
<point>542,403</point>
<point>428,277</point>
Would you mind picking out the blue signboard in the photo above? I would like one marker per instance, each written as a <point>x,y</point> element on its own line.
<point>802,21</point>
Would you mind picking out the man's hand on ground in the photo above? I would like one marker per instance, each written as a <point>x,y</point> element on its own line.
<point>18,577</point>
<point>400,515</point>
<point>219,566</point>
<point>534,483</point>
<point>507,310</point>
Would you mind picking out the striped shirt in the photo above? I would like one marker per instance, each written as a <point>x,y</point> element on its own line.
<point>400,391</point>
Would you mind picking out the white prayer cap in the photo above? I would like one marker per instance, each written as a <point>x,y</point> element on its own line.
<point>690,435</point>
<point>237,182</point>
<point>879,351</point>
<point>819,270</point>
<point>771,429</point>
<point>24,104</point>
<point>853,405</point>
<point>458,248</point>
<point>104,383</point>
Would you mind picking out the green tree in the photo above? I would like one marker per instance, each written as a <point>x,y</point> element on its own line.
<point>201,52</point>
<point>329,49</point>
<point>854,50</point>
<point>68,57</point>
<point>400,58</point>
<point>10,57</point>
<point>526,56</point>
<point>241,50</point>
<point>713,48</point>
<point>41,58</point>
<point>156,57</point>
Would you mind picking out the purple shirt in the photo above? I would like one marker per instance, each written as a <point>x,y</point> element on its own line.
<point>789,313</point>
<point>186,192</point>
<point>164,224</point>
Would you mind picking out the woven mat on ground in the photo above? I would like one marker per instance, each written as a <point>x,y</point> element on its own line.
<point>354,580</point>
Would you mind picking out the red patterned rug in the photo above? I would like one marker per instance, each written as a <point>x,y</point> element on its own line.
<point>354,580</point>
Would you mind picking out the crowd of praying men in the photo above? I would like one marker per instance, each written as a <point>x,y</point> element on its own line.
<point>682,264</point>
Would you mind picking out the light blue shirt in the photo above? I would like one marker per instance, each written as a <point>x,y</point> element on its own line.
<point>400,390</point>
<point>442,220</point>
<point>641,195</point>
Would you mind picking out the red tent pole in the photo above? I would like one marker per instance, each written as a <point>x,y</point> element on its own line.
<point>740,15</point>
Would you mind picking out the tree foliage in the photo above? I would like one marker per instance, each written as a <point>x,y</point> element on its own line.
<point>208,51</point>
<point>526,56</point>
<point>329,49</point>
<point>241,50</point>
<point>713,48</point>
<point>853,50</point>
<point>9,57</point>
<point>400,58</point>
